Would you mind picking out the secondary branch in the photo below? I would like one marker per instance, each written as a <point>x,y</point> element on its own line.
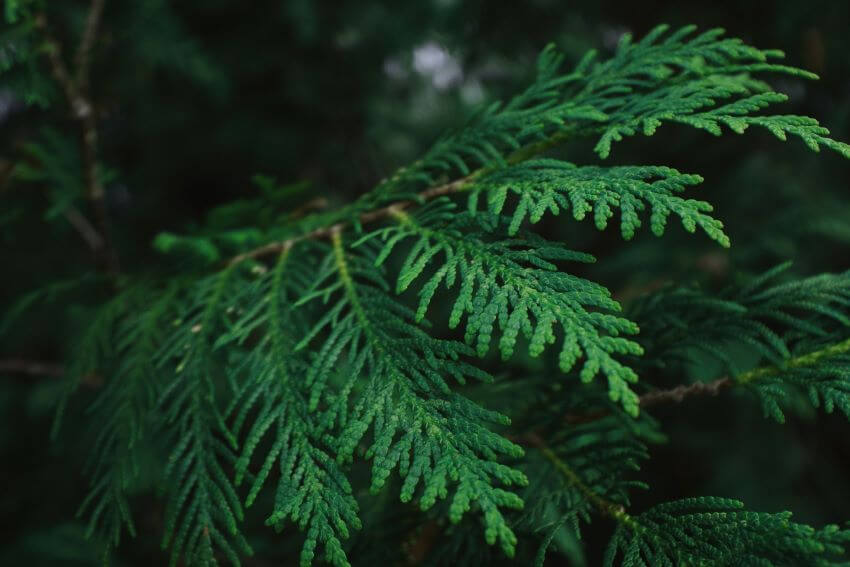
<point>658,397</point>
<point>76,94</point>
<point>364,218</point>
<point>517,156</point>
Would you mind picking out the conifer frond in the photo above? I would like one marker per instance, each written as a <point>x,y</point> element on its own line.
<point>203,509</point>
<point>799,327</point>
<point>313,491</point>
<point>821,374</point>
<point>295,374</point>
<point>676,79</point>
<point>548,185</point>
<point>770,317</point>
<point>121,415</point>
<point>735,117</point>
<point>55,162</point>
<point>514,284</point>
<point>503,133</point>
<point>579,469</point>
<point>665,77</point>
<point>94,349</point>
<point>397,374</point>
<point>720,531</point>
<point>42,296</point>
<point>662,78</point>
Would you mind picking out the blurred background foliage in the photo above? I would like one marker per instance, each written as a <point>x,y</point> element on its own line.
<point>217,115</point>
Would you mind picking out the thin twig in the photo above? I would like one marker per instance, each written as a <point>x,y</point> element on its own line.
<point>388,210</point>
<point>606,507</point>
<point>88,232</point>
<point>96,193</point>
<point>679,393</point>
<point>316,204</point>
<point>83,56</point>
<point>58,69</point>
<point>76,95</point>
<point>31,367</point>
<point>673,395</point>
<point>367,217</point>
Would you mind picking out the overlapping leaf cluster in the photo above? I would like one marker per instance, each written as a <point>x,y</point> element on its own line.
<point>799,328</point>
<point>515,285</point>
<point>719,531</point>
<point>548,186</point>
<point>297,371</point>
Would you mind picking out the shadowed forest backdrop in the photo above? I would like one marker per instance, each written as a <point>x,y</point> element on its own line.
<point>205,103</point>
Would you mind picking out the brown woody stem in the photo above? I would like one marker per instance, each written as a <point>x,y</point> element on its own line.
<point>77,97</point>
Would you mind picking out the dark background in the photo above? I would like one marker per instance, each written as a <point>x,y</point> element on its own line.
<point>196,97</point>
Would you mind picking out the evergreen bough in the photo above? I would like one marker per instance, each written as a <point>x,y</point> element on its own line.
<point>287,356</point>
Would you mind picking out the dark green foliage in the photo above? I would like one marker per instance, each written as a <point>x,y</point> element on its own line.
<point>20,58</point>
<point>204,508</point>
<point>821,374</point>
<point>580,464</point>
<point>796,327</point>
<point>334,369</point>
<point>719,531</point>
<point>121,413</point>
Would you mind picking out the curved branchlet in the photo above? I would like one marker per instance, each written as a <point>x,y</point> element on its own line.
<point>394,378</point>
<point>513,284</point>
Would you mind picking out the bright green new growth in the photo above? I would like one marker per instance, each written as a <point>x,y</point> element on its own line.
<point>433,436</point>
<point>514,285</point>
<point>547,185</point>
<point>676,78</point>
<point>313,491</point>
<point>295,371</point>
